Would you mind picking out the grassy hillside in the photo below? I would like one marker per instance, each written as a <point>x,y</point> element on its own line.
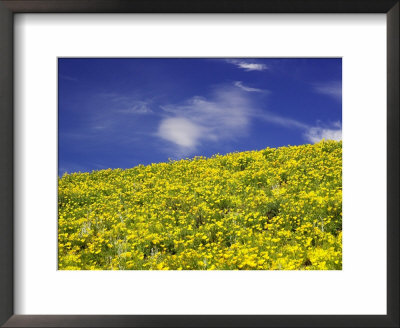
<point>271,209</point>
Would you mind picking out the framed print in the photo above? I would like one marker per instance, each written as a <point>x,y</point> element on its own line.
<point>199,164</point>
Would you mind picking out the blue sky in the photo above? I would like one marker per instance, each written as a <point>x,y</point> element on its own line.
<point>122,112</point>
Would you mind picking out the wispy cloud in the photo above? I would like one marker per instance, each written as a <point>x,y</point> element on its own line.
<point>111,116</point>
<point>137,107</point>
<point>332,89</point>
<point>240,85</point>
<point>281,120</point>
<point>224,116</point>
<point>227,114</point>
<point>248,65</point>
<point>311,133</point>
<point>127,104</point>
<point>316,134</point>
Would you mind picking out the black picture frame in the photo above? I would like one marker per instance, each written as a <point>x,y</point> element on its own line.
<point>10,7</point>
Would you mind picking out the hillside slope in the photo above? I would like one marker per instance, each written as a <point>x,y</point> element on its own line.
<point>271,209</point>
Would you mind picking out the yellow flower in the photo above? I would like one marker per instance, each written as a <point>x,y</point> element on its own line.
<point>271,209</point>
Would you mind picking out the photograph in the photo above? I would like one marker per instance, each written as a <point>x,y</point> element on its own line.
<point>157,153</point>
<point>199,163</point>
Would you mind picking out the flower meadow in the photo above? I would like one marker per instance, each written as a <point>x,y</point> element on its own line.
<point>273,209</point>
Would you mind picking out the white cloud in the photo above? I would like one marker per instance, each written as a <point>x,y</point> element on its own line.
<point>126,104</point>
<point>181,131</point>
<point>282,121</point>
<point>137,107</point>
<point>224,116</point>
<point>332,89</point>
<point>316,134</point>
<point>247,65</point>
<point>311,133</point>
<point>240,85</point>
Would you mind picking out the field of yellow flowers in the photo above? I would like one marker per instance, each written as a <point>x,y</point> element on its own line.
<point>274,209</point>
